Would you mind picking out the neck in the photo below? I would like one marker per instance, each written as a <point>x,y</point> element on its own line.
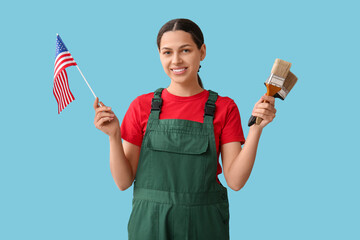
<point>183,90</point>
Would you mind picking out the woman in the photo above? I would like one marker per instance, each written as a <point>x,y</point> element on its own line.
<point>172,139</point>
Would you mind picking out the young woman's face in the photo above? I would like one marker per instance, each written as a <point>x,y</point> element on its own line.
<point>180,56</point>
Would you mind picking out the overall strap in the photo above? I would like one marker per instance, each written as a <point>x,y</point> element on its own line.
<point>210,107</point>
<point>156,104</point>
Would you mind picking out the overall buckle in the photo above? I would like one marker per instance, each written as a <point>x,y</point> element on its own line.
<point>209,110</point>
<point>156,104</point>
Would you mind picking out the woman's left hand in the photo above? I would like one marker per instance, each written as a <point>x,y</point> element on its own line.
<point>265,110</point>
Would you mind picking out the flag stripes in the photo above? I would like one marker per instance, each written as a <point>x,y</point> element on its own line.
<point>62,61</point>
<point>61,88</point>
<point>62,91</point>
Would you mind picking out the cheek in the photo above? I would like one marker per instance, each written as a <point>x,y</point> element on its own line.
<point>165,64</point>
<point>164,61</point>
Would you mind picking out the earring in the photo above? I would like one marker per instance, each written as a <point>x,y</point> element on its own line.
<point>199,68</point>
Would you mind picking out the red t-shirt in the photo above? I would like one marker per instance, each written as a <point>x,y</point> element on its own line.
<point>227,122</point>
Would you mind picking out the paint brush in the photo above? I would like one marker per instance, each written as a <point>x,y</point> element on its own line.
<point>289,83</point>
<point>274,83</point>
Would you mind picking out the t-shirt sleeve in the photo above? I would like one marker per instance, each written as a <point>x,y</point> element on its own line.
<point>131,129</point>
<point>232,130</point>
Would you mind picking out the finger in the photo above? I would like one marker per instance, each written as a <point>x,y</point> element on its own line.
<point>269,99</point>
<point>101,122</point>
<point>258,102</point>
<point>262,111</point>
<point>96,103</point>
<point>102,104</point>
<point>264,116</point>
<point>105,114</point>
<point>102,109</point>
<point>266,105</point>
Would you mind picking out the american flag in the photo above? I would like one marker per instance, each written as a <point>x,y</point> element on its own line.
<point>61,90</point>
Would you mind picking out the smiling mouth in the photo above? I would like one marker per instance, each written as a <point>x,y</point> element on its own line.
<point>178,70</point>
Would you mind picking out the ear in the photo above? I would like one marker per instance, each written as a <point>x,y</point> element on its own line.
<point>202,52</point>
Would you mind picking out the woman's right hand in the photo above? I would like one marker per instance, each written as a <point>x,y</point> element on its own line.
<point>105,119</point>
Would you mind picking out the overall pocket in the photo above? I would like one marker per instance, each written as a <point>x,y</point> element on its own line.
<point>210,222</point>
<point>178,160</point>
<point>178,142</point>
<point>144,221</point>
<point>223,210</point>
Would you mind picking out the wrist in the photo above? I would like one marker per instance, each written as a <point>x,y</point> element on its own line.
<point>116,136</point>
<point>256,129</point>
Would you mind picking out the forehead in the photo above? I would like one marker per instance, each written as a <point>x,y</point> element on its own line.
<point>173,39</point>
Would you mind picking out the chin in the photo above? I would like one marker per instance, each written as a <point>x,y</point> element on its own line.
<point>180,80</point>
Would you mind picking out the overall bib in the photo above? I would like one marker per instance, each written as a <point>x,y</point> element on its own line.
<point>176,195</point>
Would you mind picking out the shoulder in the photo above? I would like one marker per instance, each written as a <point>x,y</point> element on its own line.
<point>225,102</point>
<point>142,100</point>
<point>226,108</point>
<point>144,97</point>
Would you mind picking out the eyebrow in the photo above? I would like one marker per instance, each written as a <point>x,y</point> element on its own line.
<point>182,46</point>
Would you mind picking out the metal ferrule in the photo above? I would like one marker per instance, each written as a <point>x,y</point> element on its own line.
<point>275,80</point>
<point>283,93</point>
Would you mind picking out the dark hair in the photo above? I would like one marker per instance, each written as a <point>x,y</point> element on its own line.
<point>185,25</point>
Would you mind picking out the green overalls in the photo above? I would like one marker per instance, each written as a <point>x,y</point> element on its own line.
<point>176,195</point>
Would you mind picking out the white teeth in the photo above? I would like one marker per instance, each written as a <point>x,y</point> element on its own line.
<point>178,70</point>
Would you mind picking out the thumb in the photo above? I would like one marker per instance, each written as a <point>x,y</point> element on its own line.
<point>96,103</point>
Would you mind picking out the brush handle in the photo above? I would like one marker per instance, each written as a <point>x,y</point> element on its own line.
<point>271,91</point>
<point>252,121</point>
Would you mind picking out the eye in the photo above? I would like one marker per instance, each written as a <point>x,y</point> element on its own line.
<point>166,52</point>
<point>186,50</point>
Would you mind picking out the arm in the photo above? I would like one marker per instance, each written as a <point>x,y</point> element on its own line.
<point>237,162</point>
<point>124,157</point>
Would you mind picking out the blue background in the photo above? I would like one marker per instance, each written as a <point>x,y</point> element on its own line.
<point>54,170</point>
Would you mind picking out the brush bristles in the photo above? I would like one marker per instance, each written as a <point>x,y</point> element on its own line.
<point>281,68</point>
<point>290,81</point>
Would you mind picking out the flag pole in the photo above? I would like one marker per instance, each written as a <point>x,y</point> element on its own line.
<point>87,83</point>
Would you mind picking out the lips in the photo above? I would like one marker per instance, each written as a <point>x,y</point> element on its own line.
<point>179,70</point>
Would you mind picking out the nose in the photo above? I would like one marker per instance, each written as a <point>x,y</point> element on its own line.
<point>176,59</point>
